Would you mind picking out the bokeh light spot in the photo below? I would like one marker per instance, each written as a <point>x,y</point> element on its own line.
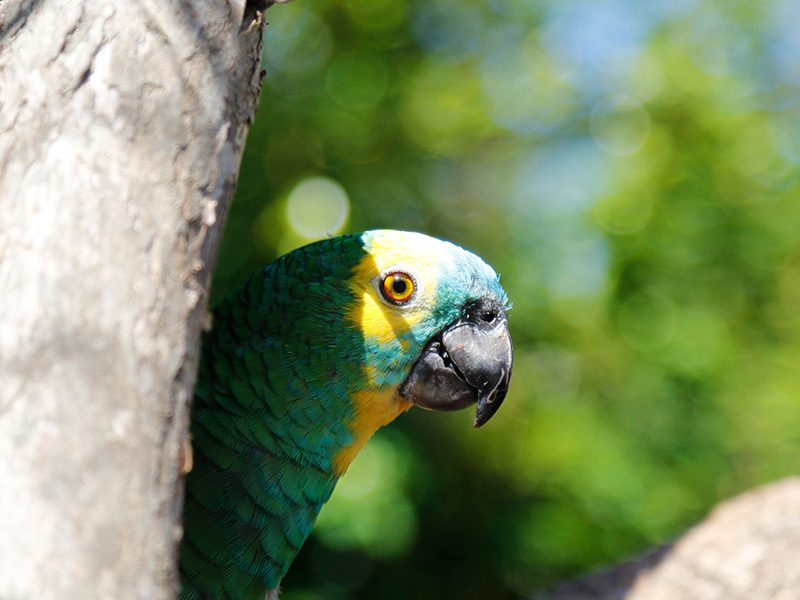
<point>317,207</point>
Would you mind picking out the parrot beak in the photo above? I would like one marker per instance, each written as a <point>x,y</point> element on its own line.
<point>468,362</point>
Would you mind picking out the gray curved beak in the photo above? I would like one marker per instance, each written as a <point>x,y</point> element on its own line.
<point>468,362</point>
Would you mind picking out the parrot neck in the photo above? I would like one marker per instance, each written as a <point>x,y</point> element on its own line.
<point>372,410</point>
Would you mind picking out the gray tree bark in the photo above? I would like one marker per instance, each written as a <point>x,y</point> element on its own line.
<point>747,549</point>
<point>121,132</point>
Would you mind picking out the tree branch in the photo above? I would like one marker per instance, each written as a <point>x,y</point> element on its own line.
<point>121,132</point>
<point>745,550</point>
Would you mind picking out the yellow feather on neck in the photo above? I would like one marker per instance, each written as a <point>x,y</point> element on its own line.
<point>373,410</point>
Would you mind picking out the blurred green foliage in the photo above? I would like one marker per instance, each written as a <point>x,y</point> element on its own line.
<point>631,168</point>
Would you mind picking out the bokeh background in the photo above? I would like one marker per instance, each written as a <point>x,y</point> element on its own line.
<point>631,168</point>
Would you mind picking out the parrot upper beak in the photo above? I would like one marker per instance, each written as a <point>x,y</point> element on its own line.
<point>468,362</point>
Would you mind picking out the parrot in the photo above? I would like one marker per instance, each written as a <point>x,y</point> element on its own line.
<point>302,364</point>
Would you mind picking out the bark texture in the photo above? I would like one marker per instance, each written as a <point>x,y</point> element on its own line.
<point>747,549</point>
<point>121,131</point>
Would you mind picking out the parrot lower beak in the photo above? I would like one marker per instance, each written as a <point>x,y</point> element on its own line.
<point>468,362</point>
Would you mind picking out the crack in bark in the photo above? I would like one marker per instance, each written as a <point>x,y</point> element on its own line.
<point>84,77</point>
<point>10,29</point>
<point>68,36</point>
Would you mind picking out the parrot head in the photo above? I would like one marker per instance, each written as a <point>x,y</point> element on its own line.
<point>434,321</point>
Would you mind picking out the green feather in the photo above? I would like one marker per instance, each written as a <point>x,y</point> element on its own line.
<point>263,464</point>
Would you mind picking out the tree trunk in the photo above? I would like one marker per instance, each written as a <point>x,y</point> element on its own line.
<point>121,133</point>
<point>747,549</point>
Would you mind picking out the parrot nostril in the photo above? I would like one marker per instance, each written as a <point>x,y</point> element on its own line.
<point>489,316</point>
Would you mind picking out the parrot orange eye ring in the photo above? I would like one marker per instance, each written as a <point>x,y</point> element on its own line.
<point>398,287</point>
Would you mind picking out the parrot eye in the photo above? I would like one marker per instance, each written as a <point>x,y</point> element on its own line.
<point>397,287</point>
